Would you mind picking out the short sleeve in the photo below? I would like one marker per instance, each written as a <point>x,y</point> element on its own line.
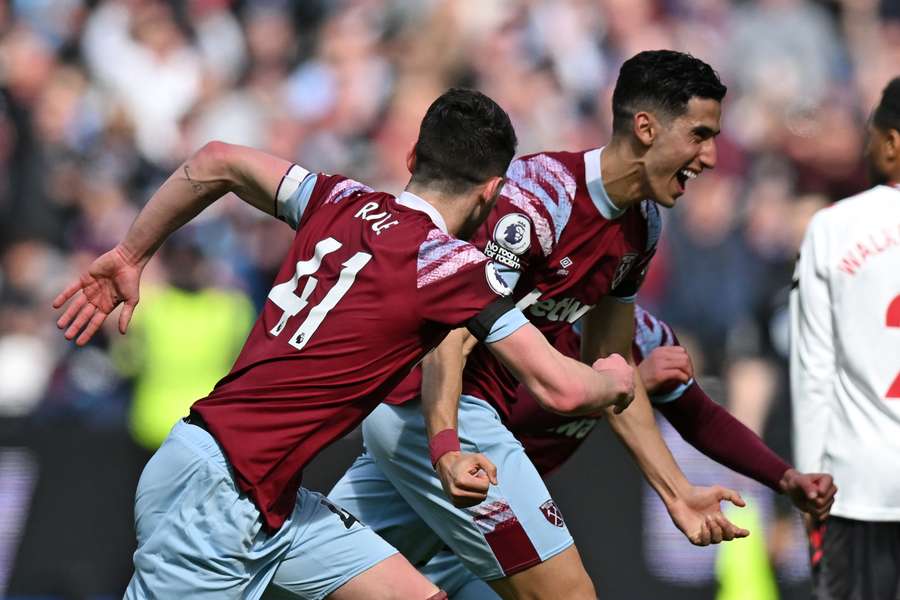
<point>650,333</point>
<point>673,394</point>
<point>301,192</point>
<point>454,280</point>
<point>509,237</point>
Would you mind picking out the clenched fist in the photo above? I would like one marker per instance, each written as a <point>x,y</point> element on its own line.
<point>665,369</point>
<point>620,378</point>
<point>466,477</point>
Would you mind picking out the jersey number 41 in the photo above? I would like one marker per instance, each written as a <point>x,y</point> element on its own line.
<point>284,295</point>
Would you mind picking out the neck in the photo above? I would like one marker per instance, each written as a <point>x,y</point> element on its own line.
<point>451,208</point>
<point>623,174</point>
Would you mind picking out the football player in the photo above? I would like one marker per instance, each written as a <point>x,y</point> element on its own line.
<point>845,372</point>
<point>574,233</point>
<point>370,284</point>
<point>667,372</point>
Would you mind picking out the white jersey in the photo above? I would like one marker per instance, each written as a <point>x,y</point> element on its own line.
<point>845,353</point>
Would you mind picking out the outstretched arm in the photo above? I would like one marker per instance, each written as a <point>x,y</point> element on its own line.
<point>716,433</point>
<point>608,328</point>
<point>561,384</point>
<point>209,174</point>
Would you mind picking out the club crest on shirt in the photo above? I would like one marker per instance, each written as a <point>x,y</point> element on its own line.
<point>495,280</point>
<point>513,232</point>
<point>628,260</point>
<point>552,513</point>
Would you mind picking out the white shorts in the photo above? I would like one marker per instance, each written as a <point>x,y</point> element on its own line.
<point>199,537</point>
<point>393,488</point>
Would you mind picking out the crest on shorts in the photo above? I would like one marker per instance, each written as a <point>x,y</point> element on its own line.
<point>624,267</point>
<point>552,513</point>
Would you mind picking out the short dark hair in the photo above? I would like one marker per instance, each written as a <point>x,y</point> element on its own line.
<point>662,81</point>
<point>887,113</point>
<point>464,140</point>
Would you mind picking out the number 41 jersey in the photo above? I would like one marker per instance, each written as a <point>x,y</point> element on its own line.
<point>371,283</point>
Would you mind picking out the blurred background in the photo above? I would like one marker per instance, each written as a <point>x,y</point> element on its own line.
<point>101,100</point>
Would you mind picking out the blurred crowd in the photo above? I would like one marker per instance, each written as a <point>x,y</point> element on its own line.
<point>101,100</point>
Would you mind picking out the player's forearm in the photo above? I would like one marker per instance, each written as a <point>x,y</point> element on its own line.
<point>636,428</point>
<point>609,328</point>
<point>558,383</point>
<point>811,400</point>
<point>716,433</point>
<point>196,184</point>
<point>442,383</point>
<point>575,389</point>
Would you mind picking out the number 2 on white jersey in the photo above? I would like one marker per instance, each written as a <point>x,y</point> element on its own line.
<point>893,320</point>
<point>284,296</point>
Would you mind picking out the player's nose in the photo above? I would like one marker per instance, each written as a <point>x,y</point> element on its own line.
<point>708,154</point>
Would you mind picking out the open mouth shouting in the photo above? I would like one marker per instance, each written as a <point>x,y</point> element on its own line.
<point>683,176</point>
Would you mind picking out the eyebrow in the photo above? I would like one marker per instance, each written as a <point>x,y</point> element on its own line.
<point>705,132</point>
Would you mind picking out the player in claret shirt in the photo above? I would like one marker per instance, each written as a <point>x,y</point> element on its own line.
<point>574,232</point>
<point>371,283</point>
<point>667,372</point>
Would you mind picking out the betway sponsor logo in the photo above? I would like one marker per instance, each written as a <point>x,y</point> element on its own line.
<point>553,309</point>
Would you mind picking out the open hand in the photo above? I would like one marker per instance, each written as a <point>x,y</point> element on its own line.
<point>466,477</point>
<point>699,516</point>
<point>110,280</point>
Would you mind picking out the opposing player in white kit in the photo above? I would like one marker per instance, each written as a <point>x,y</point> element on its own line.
<point>845,372</point>
<point>575,232</point>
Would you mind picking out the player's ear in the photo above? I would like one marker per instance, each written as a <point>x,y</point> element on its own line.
<point>411,159</point>
<point>892,145</point>
<point>491,189</point>
<point>645,127</point>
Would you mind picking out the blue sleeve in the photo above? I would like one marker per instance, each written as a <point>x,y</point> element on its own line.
<point>293,194</point>
<point>508,274</point>
<point>673,395</point>
<point>506,325</point>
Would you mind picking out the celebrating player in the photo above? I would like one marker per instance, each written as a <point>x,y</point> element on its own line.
<point>667,372</point>
<point>845,372</point>
<point>371,283</point>
<point>574,232</point>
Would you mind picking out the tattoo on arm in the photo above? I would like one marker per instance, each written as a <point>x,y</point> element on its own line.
<point>194,185</point>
